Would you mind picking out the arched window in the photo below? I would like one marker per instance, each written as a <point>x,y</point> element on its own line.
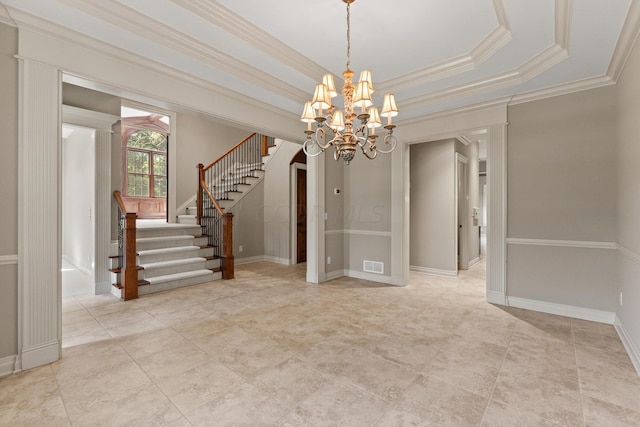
<point>146,153</point>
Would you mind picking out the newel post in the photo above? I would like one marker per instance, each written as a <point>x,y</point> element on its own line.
<point>227,246</point>
<point>130,274</point>
<point>199,194</point>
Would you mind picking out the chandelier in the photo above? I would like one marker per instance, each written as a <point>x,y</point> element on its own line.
<point>347,135</point>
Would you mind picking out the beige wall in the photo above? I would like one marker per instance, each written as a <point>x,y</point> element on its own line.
<point>9,190</point>
<point>92,100</point>
<point>628,186</point>
<point>562,187</point>
<point>334,206</point>
<point>432,244</point>
<point>471,152</point>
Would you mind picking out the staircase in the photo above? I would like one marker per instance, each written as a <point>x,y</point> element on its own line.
<point>231,185</point>
<point>170,256</point>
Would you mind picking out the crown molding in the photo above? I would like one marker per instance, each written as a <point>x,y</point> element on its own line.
<point>488,46</point>
<point>5,18</point>
<point>626,41</point>
<point>563,89</point>
<point>218,15</point>
<point>57,32</point>
<point>539,63</point>
<point>88,118</point>
<point>123,16</point>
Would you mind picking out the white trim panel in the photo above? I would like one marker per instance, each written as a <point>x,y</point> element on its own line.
<point>632,350</point>
<point>260,258</point>
<point>583,313</point>
<point>8,259</point>
<point>359,233</point>
<point>562,243</point>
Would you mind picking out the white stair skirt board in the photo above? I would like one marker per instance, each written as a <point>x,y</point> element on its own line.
<point>583,313</point>
<point>632,351</point>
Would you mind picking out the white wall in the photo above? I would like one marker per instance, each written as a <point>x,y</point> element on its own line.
<point>628,206</point>
<point>78,199</point>
<point>561,200</point>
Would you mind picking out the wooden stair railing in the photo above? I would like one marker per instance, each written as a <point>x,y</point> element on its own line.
<point>127,250</point>
<point>227,173</point>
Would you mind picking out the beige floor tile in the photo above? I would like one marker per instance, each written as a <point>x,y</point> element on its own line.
<point>174,361</point>
<point>291,382</point>
<point>439,403</point>
<point>337,404</point>
<point>199,385</point>
<point>88,359</point>
<point>602,414</point>
<point>244,406</point>
<point>500,415</point>
<point>596,335</point>
<point>139,346</point>
<point>608,376</point>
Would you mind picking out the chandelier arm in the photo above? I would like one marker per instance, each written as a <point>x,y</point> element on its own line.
<point>389,139</point>
<point>319,137</point>
<point>362,135</point>
<point>372,149</point>
<point>307,145</point>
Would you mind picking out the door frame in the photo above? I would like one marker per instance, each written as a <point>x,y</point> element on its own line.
<point>294,214</point>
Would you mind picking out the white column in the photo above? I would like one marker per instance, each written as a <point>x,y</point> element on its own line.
<point>39,214</point>
<point>400,214</point>
<point>316,268</point>
<point>497,214</point>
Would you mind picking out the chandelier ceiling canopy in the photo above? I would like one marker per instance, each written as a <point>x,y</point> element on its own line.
<point>348,135</point>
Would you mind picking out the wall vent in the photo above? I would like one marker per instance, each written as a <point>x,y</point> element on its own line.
<point>373,267</point>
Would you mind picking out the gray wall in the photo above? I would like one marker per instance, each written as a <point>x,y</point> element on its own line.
<point>334,206</point>
<point>88,99</point>
<point>562,187</point>
<point>432,217</point>
<point>200,140</point>
<point>248,224</point>
<point>9,190</point>
<point>367,212</point>
<point>628,186</point>
<point>473,169</point>
<point>277,203</point>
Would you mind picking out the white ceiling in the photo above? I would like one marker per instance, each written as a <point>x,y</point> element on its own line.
<point>435,55</point>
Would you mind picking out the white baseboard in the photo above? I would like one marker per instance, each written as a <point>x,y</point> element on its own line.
<point>632,350</point>
<point>494,297</point>
<point>7,365</point>
<point>334,275</point>
<point>372,277</point>
<point>248,260</point>
<point>434,271</point>
<point>583,313</point>
<point>41,355</point>
<point>474,262</point>
<point>259,258</point>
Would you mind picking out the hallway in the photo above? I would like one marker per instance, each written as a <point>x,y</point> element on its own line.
<point>269,349</point>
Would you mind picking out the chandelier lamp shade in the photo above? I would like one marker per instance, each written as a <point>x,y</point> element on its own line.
<point>347,135</point>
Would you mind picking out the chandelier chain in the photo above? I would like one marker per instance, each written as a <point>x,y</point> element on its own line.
<point>348,36</point>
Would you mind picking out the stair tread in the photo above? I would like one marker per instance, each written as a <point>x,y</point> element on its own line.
<point>161,238</point>
<point>178,276</point>
<point>171,263</point>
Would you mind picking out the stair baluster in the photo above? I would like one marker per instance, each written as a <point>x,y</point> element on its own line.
<point>127,250</point>
<point>215,182</point>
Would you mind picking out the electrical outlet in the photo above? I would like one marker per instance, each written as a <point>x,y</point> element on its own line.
<point>620,299</point>
<point>328,260</point>
<point>240,248</point>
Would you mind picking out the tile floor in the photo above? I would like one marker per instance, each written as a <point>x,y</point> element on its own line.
<point>269,349</point>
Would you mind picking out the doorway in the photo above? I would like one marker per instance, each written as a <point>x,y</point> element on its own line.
<point>298,187</point>
<point>462,220</point>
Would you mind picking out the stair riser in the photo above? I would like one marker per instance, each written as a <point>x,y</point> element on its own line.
<point>186,231</point>
<point>169,256</point>
<point>143,290</point>
<point>187,241</point>
<point>163,271</point>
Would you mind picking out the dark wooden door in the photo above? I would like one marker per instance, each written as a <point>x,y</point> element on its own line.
<point>301,215</point>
